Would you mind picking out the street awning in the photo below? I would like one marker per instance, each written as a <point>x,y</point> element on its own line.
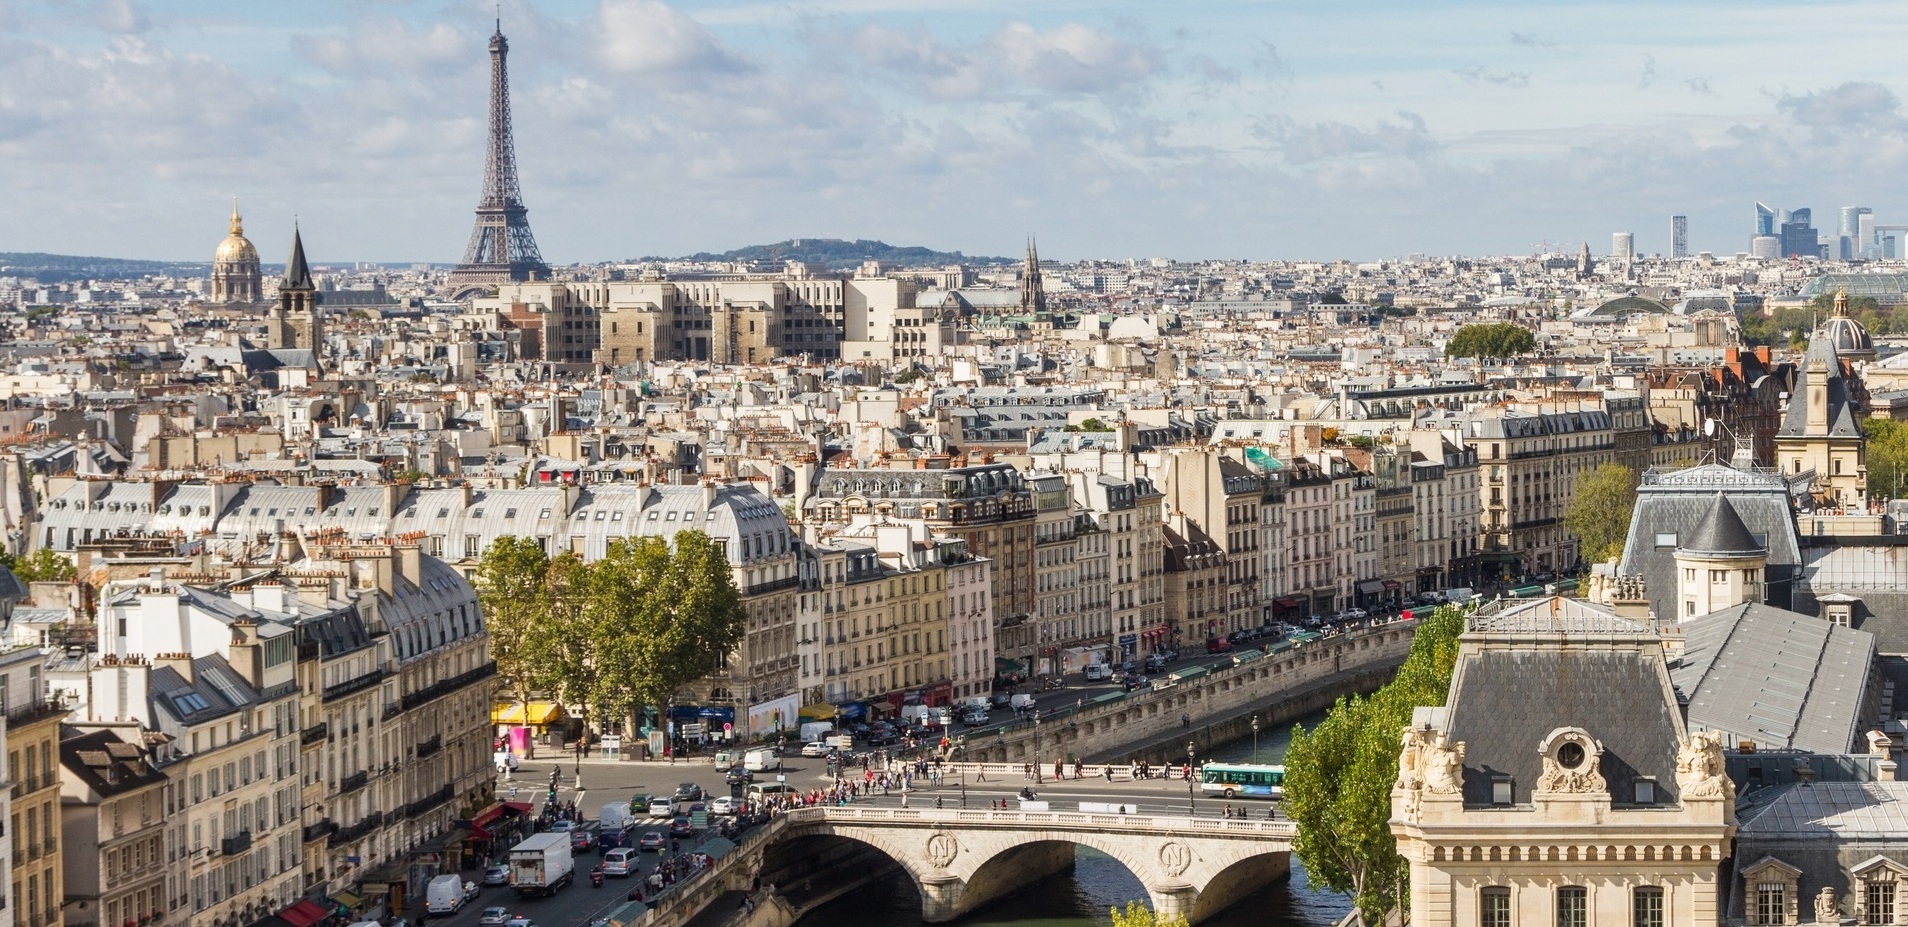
<point>485,817</point>
<point>520,807</point>
<point>1286,603</point>
<point>541,713</point>
<point>820,711</point>
<point>1004,665</point>
<point>1371,587</point>
<point>304,914</point>
<point>347,901</point>
<point>1391,586</point>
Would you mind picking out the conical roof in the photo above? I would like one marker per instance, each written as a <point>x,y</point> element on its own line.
<point>1722,532</point>
<point>297,272</point>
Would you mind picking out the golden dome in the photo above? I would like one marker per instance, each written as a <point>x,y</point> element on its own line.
<point>235,248</point>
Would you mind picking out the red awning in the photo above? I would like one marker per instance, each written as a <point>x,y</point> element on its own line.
<point>303,914</point>
<point>1391,586</point>
<point>520,807</point>
<point>1286,603</point>
<point>486,816</point>
<point>479,832</point>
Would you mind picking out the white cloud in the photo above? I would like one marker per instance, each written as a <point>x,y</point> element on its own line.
<point>1072,59</point>
<point>649,37</point>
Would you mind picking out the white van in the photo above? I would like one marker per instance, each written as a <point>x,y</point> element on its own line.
<point>1021,702</point>
<point>761,759</point>
<point>764,790</point>
<point>614,816</point>
<point>444,895</point>
<point>1097,672</point>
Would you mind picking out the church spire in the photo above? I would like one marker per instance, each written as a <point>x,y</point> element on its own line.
<point>238,225</point>
<point>1033,292</point>
<point>297,271</point>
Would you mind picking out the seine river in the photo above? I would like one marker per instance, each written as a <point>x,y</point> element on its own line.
<point>1081,899</point>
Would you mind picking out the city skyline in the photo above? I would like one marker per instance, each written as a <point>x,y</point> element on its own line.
<point>1129,130</point>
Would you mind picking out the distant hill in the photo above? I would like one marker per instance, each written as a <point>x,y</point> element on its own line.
<point>837,254</point>
<point>56,268</point>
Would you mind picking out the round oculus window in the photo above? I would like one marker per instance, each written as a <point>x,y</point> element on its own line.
<point>1570,755</point>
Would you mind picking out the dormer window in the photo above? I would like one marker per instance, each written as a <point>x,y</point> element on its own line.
<point>1501,790</point>
<point>1644,789</point>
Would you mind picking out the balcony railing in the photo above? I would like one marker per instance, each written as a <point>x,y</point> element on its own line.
<point>26,713</point>
<point>431,746</point>
<point>237,843</point>
<point>353,782</point>
<point>444,687</point>
<point>315,733</point>
<point>355,684</point>
<point>436,799</point>
<point>320,830</point>
<point>372,822</point>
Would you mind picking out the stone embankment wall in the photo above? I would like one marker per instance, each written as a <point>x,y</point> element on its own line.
<point>1208,709</point>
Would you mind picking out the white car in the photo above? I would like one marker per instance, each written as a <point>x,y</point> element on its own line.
<point>722,804</point>
<point>814,748</point>
<point>493,917</point>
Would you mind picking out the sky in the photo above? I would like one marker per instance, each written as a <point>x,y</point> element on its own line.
<point>1112,129</point>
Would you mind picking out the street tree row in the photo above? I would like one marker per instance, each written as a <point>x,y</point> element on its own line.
<point>614,635</point>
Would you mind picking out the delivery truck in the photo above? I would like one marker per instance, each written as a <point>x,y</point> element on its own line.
<point>541,865</point>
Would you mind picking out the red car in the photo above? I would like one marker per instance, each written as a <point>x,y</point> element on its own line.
<point>1218,645</point>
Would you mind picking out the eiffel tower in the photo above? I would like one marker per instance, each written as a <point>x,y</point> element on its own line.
<point>501,247</point>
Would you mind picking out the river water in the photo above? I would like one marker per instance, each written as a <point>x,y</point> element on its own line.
<point>1098,882</point>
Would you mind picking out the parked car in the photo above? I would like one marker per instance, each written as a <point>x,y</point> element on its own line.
<point>471,891</point>
<point>652,840</point>
<point>814,748</point>
<point>1354,614</point>
<point>1218,645</point>
<point>497,875</point>
<point>1238,637</point>
<point>999,699</point>
<point>493,917</point>
<point>513,922</point>
<point>688,791</point>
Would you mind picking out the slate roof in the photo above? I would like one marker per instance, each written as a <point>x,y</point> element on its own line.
<point>218,690</point>
<point>1721,532</point>
<point>1674,504</point>
<point>1869,573</point>
<point>1821,828</point>
<point>1612,683</point>
<point>106,764</point>
<point>1780,679</point>
<point>1795,419</point>
<point>297,272</point>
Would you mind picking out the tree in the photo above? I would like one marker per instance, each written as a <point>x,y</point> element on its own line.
<point>1887,457</point>
<point>1599,511</point>
<point>513,590</point>
<point>1496,340</point>
<point>1137,914</point>
<point>662,617</point>
<point>42,566</point>
<point>1338,776</point>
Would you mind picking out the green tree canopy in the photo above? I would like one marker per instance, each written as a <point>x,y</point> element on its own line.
<point>1495,340</point>
<point>1338,776</point>
<point>513,588</point>
<point>1599,511</point>
<point>1887,456</point>
<point>43,565</point>
<point>621,633</point>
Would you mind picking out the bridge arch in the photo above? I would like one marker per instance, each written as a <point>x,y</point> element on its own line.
<point>960,861</point>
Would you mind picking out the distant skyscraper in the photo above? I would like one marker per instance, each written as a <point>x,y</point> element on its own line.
<point>1799,238</point>
<point>501,247</point>
<point>1865,244</point>
<point>1849,241</point>
<point>1765,220</point>
<point>1623,248</point>
<point>1767,247</point>
<point>1679,237</point>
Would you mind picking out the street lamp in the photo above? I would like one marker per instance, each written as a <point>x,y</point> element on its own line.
<point>1190,809</point>
<point>1036,750</point>
<point>1255,738</point>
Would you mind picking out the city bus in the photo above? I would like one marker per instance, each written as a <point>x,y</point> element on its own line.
<point>1242,780</point>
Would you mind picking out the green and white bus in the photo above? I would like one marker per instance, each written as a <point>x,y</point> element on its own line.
<point>1242,780</point>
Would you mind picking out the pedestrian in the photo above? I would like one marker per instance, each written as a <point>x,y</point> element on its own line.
<point>1109,772</point>
<point>937,803</point>
<point>980,772</point>
<point>904,799</point>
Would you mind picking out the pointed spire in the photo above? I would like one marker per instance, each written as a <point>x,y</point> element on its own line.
<point>297,271</point>
<point>238,225</point>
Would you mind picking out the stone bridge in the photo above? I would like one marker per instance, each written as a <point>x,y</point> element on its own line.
<point>962,860</point>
